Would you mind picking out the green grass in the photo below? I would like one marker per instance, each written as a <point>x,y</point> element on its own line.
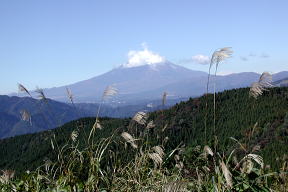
<point>110,163</point>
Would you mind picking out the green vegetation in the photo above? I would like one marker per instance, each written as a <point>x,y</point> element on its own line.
<point>163,152</point>
<point>250,121</point>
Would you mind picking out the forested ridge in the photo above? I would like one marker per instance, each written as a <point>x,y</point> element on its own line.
<point>262,121</point>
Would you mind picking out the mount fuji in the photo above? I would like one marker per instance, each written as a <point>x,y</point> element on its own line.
<point>133,83</point>
<point>146,76</point>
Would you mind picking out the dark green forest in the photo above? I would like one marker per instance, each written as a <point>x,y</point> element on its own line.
<point>261,122</point>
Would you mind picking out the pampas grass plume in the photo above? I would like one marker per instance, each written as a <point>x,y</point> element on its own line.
<point>21,88</point>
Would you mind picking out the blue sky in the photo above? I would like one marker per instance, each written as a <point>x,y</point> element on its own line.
<point>51,43</point>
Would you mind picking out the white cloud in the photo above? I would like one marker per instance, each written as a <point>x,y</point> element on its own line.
<point>144,57</point>
<point>201,59</point>
<point>223,73</point>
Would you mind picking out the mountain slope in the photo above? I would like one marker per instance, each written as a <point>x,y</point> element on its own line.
<point>44,115</point>
<point>51,114</point>
<point>237,114</point>
<point>149,81</point>
<point>281,82</point>
<point>128,81</point>
<point>196,86</point>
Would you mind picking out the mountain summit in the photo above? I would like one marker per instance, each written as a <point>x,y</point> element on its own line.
<point>132,80</point>
<point>145,76</point>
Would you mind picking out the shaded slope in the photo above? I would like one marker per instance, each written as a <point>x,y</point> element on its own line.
<point>237,113</point>
<point>44,114</point>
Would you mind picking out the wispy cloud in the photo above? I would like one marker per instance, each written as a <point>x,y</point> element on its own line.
<point>254,55</point>
<point>201,59</point>
<point>197,59</point>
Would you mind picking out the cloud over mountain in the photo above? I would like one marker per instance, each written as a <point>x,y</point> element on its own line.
<point>143,57</point>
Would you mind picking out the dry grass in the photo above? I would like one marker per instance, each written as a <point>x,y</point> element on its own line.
<point>41,94</point>
<point>227,174</point>
<point>150,167</point>
<point>25,116</point>
<point>257,88</point>
<point>129,139</point>
<point>140,117</point>
<point>110,91</point>
<point>217,57</point>
<point>21,88</point>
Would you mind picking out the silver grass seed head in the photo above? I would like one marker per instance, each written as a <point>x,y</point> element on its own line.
<point>41,95</point>
<point>177,158</point>
<point>7,175</point>
<point>97,124</point>
<point>159,150</point>
<point>256,148</point>
<point>140,117</point>
<point>247,166</point>
<point>150,125</point>
<point>266,79</point>
<point>227,174</point>
<point>110,91</point>
<point>129,139</point>
<point>179,165</point>
<point>74,135</point>
<point>220,55</point>
<point>257,158</point>
<point>206,169</point>
<point>25,115</point>
<point>257,88</point>
<point>69,94</point>
<point>21,88</point>
<point>208,151</point>
<point>157,159</point>
<point>175,186</point>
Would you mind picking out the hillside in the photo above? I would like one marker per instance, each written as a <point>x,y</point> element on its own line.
<point>253,122</point>
<point>44,115</point>
<point>51,114</point>
<point>132,83</point>
<point>149,81</point>
<point>282,82</point>
<point>237,113</point>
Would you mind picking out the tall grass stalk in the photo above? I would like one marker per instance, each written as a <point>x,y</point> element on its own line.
<point>71,99</point>
<point>218,56</point>
<point>108,92</point>
<point>103,166</point>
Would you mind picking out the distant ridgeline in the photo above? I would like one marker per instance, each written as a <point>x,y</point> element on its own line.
<point>282,82</point>
<point>23,115</point>
<point>261,122</point>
